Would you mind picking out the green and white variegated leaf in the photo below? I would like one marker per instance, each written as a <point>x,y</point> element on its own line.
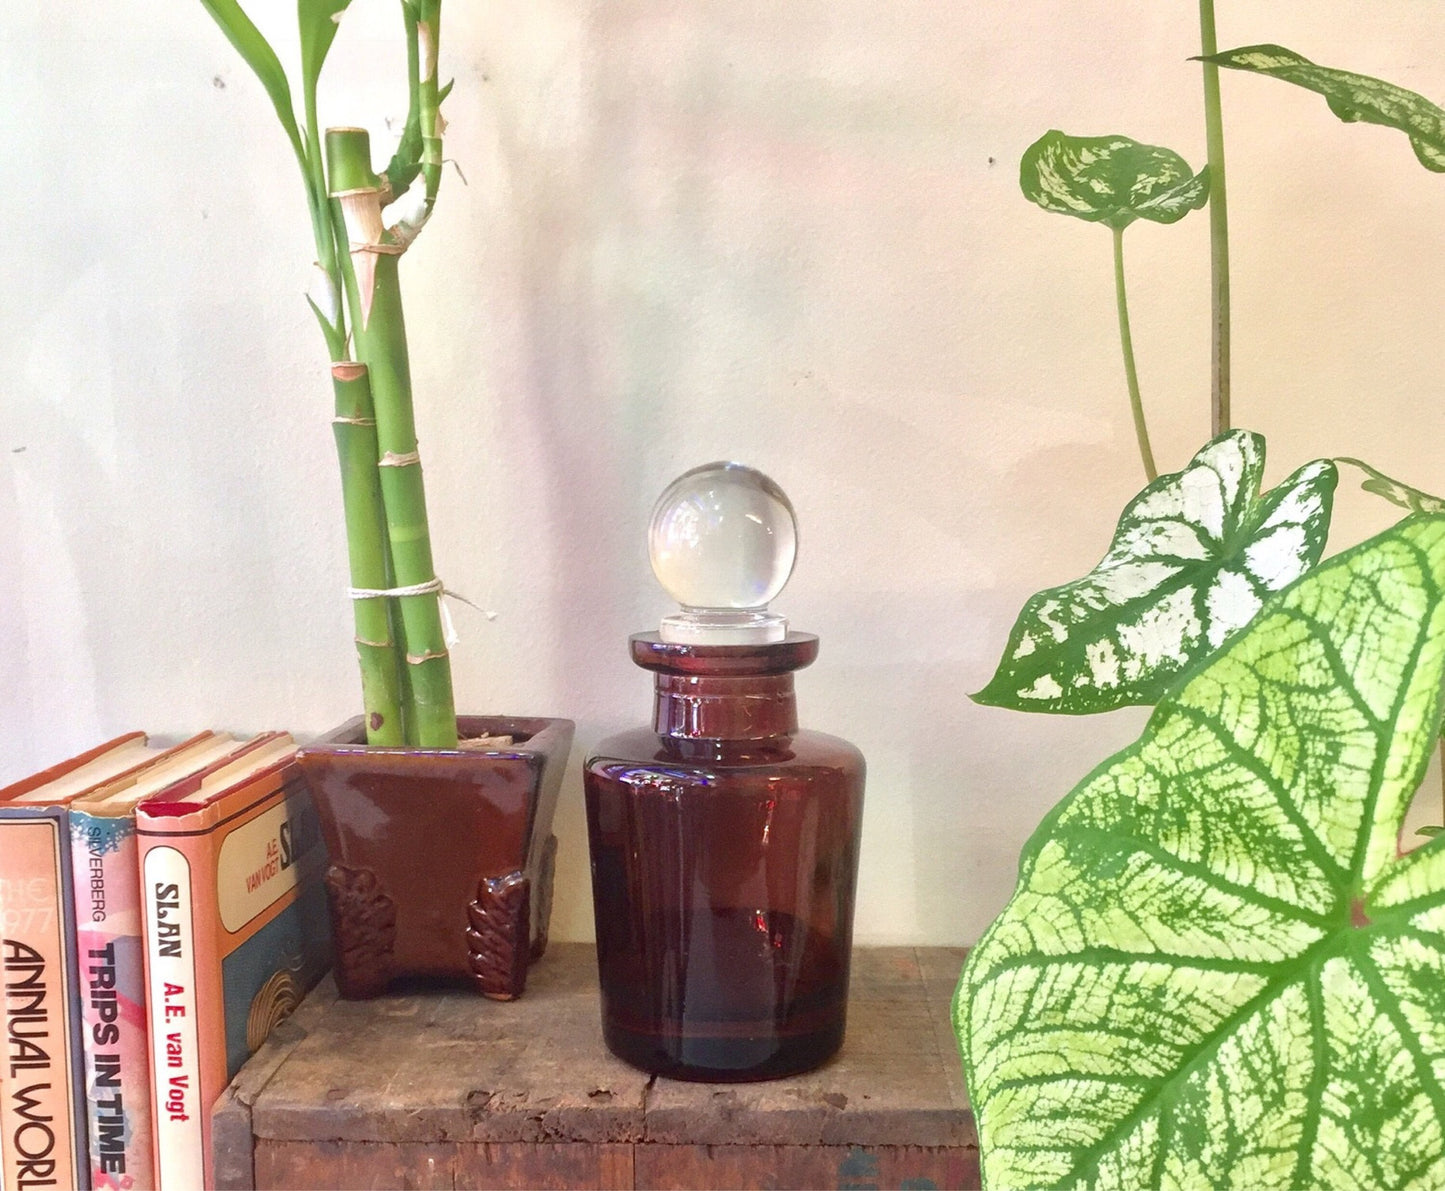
<point>1352,97</point>
<point>1217,970</point>
<point>1110,179</point>
<point>1395,491</point>
<point>1193,558</point>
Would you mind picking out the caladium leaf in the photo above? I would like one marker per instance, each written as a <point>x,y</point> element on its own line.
<point>1352,97</point>
<point>1110,179</point>
<point>1193,558</point>
<point>1395,491</point>
<point>1217,969</point>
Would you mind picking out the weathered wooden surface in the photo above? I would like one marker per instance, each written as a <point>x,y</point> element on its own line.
<point>446,1089</point>
<point>849,1168</point>
<point>448,1165</point>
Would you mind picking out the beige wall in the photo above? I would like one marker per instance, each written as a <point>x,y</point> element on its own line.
<point>789,234</point>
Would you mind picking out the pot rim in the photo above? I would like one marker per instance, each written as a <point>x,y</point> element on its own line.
<point>540,734</point>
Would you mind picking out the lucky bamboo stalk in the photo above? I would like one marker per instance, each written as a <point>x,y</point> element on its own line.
<point>378,329</point>
<point>354,426</point>
<point>401,648</point>
<point>428,97</point>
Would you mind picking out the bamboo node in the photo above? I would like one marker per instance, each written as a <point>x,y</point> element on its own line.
<point>341,421</point>
<point>357,247</point>
<point>354,191</point>
<point>420,659</point>
<point>397,459</point>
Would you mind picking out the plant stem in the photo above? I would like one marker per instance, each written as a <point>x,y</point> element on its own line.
<point>381,673</point>
<point>431,718</point>
<point>379,332</point>
<point>1218,223</point>
<point>428,28</point>
<point>383,677</point>
<point>1131,374</point>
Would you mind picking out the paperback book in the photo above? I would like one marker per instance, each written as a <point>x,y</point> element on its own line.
<point>105,875</point>
<point>236,932</point>
<point>42,1103</point>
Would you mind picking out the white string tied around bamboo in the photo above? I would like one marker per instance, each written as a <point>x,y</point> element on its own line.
<point>430,587</point>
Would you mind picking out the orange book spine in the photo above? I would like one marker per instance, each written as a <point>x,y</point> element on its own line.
<point>43,1144</point>
<point>235,933</point>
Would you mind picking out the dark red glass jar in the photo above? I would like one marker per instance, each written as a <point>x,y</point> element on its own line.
<point>724,859</point>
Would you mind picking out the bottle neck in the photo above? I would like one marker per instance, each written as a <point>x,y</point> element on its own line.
<point>712,707</point>
<point>724,692</point>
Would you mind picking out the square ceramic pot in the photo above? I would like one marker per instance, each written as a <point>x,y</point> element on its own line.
<point>441,861</point>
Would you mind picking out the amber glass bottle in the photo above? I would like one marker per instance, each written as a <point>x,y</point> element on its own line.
<point>724,840</point>
<point>724,854</point>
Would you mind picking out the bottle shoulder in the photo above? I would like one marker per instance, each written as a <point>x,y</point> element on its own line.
<point>805,749</point>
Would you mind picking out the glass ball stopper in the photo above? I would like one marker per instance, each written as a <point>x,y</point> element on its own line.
<point>722,541</point>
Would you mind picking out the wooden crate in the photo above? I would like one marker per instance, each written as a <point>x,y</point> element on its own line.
<point>443,1089</point>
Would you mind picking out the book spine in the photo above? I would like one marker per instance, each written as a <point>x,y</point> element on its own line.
<point>105,871</point>
<point>182,974</point>
<point>42,1113</point>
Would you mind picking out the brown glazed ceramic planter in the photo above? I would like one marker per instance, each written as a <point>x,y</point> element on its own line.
<point>441,861</point>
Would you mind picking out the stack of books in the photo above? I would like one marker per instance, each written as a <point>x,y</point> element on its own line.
<point>160,911</point>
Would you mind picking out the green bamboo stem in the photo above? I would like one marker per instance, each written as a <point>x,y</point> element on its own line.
<point>405,163</point>
<point>379,336</point>
<point>381,675</point>
<point>381,624</point>
<point>323,230</point>
<point>428,27</point>
<point>379,659</point>
<point>382,344</point>
<point>1131,373</point>
<point>1218,224</point>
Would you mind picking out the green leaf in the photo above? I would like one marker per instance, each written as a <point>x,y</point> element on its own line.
<point>1110,179</point>
<point>318,21</point>
<point>1216,969</point>
<point>261,58</point>
<point>1352,97</point>
<point>1194,556</point>
<point>1396,492</point>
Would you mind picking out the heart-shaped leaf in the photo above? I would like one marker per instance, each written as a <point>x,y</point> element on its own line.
<point>1110,179</point>
<point>1194,556</point>
<point>1352,97</point>
<point>1395,491</point>
<point>1217,970</point>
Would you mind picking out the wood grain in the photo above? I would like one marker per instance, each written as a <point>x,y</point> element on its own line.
<point>442,1088</point>
<point>368,1165</point>
<point>847,1168</point>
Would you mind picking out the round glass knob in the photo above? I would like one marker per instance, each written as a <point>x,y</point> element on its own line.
<point>722,541</point>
